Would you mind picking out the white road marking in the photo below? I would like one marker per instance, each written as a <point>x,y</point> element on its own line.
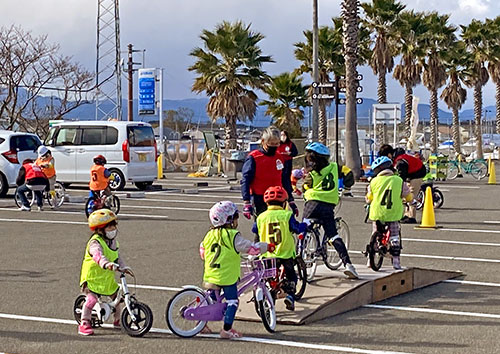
<point>221,197</point>
<point>45,221</point>
<point>284,343</point>
<point>471,230</point>
<point>179,201</point>
<point>466,282</point>
<point>129,206</point>
<point>450,258</point>
<point>452,242</point>
<point>153,287</point>
<point>427,310</point>
<point>83,213</point>
<point>458,187</point>
<point>491,222</point>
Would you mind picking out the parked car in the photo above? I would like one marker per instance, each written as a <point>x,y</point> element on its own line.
<point>15,147</point>
<point>129,147</point>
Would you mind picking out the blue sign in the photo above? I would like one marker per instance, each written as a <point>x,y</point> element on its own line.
<point>147,85</point>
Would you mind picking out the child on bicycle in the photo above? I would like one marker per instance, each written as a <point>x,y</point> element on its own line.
<point>220,249</point>
<point>46,162</point>
<point>275,226</point>
<point>385,195</point>
<point>100,261</point>
<point>100,177</point>
<point>321,194</point>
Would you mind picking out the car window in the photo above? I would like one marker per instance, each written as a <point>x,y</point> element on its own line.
<point>50,136</point>
<point>111,136</point>
<point>2,140</point>
<point>93,135</point>
<point>140,136</point>
<point>66,136</point>
<point>24,142</point>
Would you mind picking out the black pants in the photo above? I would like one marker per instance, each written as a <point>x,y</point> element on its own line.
<point>324,212</point>
<point>290,275</point>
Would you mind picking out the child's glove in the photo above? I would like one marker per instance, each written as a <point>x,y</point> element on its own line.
<point>271,247</point>
<point>247,210</point>
<point>294,208</point>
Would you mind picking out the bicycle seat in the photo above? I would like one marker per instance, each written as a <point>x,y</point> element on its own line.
<point>210,286</point>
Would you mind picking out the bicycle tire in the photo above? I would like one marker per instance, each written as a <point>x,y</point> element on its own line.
<point>30,196</point>
<point>308,254</point>
<point>267,311</point>
<point>188,296</point>
<point>437,198</point>
<point>301,270</point>
<point>113,204</point>
<point>375,255</point>
<point>420,200</point>
<point>452,171</point>
<point>87,207</point>
<point>330,256</point>
<point>478,170</point>
<point>77,307</point>
<point>59,196</point>
<point>338,206</point>
<point>143,323</point>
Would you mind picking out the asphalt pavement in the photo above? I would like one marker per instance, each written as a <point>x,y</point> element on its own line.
<point>159,237</point>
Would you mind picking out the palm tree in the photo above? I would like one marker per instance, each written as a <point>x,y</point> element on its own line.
<point>494,62</point>
<point>454,94</point>
<point>440,36</point>
<point>410,41</point>
<point>229,67</point>
<point>287,96</point>
<point>381,18</point>
<point>475,37</point>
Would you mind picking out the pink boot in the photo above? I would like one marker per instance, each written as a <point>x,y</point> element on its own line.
<point>85,329</point>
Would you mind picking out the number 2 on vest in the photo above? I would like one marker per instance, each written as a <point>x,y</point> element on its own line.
<point>274,229</point>
<point>387,199</point>
<point>215,248</point>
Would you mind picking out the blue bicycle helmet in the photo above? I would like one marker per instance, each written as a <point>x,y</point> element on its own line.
<point>318,148</point>
<point>379,161</point>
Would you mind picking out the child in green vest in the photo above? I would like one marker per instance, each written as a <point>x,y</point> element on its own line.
<point>221,250</point>
<point>321,193</point>
<point>275,225</point>
<point>100,262</point>
<point>385,195</point>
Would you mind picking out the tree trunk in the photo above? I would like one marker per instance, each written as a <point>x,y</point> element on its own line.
<point>230,131</point>
<point>497,97</point>
<point>456,131</point>
<point>322,120</point>
<point>408,106</point>
<point>382,88</point>
<point>434,121</point>
<point>478,108</point>
<point>350,27</point>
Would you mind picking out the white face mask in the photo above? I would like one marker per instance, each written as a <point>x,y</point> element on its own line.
<point>111,234</point>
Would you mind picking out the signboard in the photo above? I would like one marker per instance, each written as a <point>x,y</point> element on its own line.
<point>147,85</point>
<point>344,100</point>
<point>322,96</point>
<point>323,84</point>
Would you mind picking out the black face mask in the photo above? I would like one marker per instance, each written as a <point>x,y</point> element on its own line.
<point>271,150</point>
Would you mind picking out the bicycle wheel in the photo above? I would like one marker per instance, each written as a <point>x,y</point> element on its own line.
<point>174,314</point>
<point>375,253</point>
<point>77,307</point>
<point>89,207</point>
<point>452,171</point>
<point>143,319</point>
<point>478,170</point>
<point>30,196</point>
<point>338,206</point>
<point>267,311</point>
<point>330,256</point>
<point>301,270</point>
<point>113,204</point>
<point>308,254</point>
<point>420,200</point>
<point>58,199</point>
<point>437,198</point>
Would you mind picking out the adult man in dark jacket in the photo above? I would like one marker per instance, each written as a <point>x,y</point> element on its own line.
<point>30,177</point>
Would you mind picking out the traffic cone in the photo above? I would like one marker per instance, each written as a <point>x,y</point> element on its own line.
<point>492,179</point>
<point>428,218</point>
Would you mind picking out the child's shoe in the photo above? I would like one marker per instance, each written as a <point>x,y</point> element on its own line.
<point>85,329</point>
<point>116,324</point>
<point>290,303</point>
<point>24,208</point>
<point>232,333</point>
<point>396,263</point>
<point>350,271</point>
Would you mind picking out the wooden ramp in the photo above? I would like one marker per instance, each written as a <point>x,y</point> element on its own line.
<point>330,293</point>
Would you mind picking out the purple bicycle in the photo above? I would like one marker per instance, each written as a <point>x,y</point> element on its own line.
<point>192,307</point>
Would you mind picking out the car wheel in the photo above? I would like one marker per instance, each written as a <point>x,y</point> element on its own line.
<point>143,185</point>
<point>119,182</point>
<point>4,187</point>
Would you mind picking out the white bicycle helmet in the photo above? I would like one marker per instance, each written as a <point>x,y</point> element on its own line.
<point>42,150</point>
<point>222,213</point>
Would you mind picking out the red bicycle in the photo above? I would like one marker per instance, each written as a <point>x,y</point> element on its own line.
<point>379,245</point>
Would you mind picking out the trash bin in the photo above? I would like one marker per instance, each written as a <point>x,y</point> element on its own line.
<point>237,159</point>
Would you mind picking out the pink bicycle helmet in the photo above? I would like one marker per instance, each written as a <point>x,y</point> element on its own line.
<point>223,213</point>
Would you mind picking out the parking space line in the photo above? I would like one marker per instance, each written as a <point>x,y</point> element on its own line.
<point>82,213</point>
<point>449,258</point>
<point>180,201</point>
<point>468,282</point>
<point>458,187</point>
<point>45,221</point>
<point>222,197</point>
<point>153,287</point>
<point>491,222</point>
<point>471,230</point>
<point>151,207</point>
<point>284,343</point>
<point>452,242</point>
<point>427,310</point>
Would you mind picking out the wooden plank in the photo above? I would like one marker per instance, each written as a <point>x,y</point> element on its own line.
<point>424,277</point>
<point>394,284</point>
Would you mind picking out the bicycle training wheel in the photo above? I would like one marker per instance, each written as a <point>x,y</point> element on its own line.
<point>310,245</point>
<point>478,170</point>
<point>143,319</point>
<point>301,271</point>
<point>375,253</point>
<point>330,256</point>
<point>267,311</point>
<point>113,204</point>
<point>452,171</point>
<point>174,314</point>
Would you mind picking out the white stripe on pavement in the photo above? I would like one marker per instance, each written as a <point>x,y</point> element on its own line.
<point>283,343</point>
<point>83,213</point>
<point>151,207</point>
<point>452,242</point>
<point>427,310</point>
<point>468,282</point>
<point>154,287</point>
<point>491,222</point>
<point>458,187</point>
<point>45,221</point>
<point>471,230</point>
<point>449,258</point>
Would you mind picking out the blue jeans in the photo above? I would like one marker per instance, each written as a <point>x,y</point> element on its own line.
<point>21,190</point>
<point>230,293</point>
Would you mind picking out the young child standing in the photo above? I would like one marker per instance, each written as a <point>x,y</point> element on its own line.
<point>275,226</point>
<point>385,195</point>
<point>220,249</point>
<point>100,262</point>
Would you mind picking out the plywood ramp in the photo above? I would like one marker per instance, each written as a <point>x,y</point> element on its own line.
<point>330,293</point>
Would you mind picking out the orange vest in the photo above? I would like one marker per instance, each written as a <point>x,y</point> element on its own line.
<point>48,171</point>
<point>97,180</point>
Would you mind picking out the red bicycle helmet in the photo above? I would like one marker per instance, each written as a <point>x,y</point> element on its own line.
<point>276,193</point>
<point>100,160</point>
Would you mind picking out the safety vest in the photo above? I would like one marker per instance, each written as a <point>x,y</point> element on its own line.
<point>274,227</point>
<point>100,281</point>
<point>414,164</point>
<point>49,171</point>
<point>32,171</point>
<point>222,261</point>
<point>284,150</point>
<point>386,205</point>
<point>98,181</point>
<point>267,171</point>
<point>324,185</point>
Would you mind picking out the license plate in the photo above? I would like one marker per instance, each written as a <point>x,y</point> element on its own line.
<point>143,157</point>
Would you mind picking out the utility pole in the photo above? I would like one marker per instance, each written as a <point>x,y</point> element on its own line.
<point>130,71</point>
<point>315,103</point>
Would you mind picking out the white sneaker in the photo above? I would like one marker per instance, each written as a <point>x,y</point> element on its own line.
<point>396,263</point>
<point>40,208</point>
<point>350,271</point>
<point>24,208</point>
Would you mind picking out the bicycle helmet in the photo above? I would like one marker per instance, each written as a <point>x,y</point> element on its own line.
<point>100,160</point>
<point>381,161</point>
<point>101,218</point>
<point>398,152</point>
<point>223,213</point>
<point>318,148</point>
<point>42,150</point>
<point>276,193</point>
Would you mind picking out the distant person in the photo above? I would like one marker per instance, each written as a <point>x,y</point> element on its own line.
<point>46,162</point>
<point>99,179</point>
<point>288,150</point>
<point>30,174</point>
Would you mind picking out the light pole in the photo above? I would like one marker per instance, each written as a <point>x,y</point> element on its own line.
<point>315,103</point>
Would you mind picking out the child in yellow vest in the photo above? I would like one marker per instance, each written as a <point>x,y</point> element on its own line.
<point>46,162</point>
<point>385,195</point>
<point>275,225</point>
<point>220,249</point>
<point>100,262</point>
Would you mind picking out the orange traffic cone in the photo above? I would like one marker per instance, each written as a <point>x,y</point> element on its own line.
<point>492,178</point>
<point>428,218</point>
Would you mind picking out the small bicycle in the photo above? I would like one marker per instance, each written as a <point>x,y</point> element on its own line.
<point>191,308</point>
<point>278,284</point>
<point>54,201</point>
<point>136,317</point>
<point>311,246</point>
<point>98,200</point>
<point>437,195</point>
<point>379,245</point>
<point>477,168</point>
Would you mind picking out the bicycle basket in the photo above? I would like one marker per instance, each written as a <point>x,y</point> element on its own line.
<point>266,265</point>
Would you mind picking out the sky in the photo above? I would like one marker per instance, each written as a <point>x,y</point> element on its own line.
<point>168,30</point>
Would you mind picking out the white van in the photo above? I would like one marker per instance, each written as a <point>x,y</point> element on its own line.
<point>129,147</point>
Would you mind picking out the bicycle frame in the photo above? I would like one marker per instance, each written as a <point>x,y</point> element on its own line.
<point>109,307</point>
